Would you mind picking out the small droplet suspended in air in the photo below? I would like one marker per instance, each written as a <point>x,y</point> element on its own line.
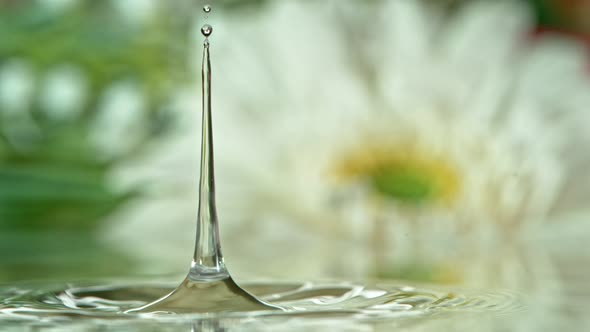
<point>206,30</point>
<point>207,8</point>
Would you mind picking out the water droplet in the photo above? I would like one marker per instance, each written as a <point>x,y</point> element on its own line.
<point>206,30</point>
<point>207,8</point>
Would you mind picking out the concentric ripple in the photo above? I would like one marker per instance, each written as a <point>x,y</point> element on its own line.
<point>298,300</point>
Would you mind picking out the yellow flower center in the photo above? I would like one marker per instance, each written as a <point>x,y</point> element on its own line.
<point>404,174</point>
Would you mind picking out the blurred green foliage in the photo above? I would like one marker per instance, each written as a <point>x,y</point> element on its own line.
<point>54,185</point>
<point>54,181</point>
<point>547,13</point>
<point>59,180</point>
<point>564,15</point>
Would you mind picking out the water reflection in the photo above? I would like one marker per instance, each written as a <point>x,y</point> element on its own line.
<point>208,326</point>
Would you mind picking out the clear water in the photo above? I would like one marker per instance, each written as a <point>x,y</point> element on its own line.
<point>299,303</point>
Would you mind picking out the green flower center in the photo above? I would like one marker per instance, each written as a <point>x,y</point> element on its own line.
<point>403,175</point>
<point>403,184</point>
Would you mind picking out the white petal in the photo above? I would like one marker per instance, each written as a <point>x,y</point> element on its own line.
<point>408,32</point>
<point>486,33</point>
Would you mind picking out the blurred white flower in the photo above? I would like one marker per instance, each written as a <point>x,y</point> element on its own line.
<point>417,146</point>
<point>17,83</point>
<point>120,120</point>
<point>136,11</point>
<point>17,87</point>
<point>58,5</point>
<point>64,91</point>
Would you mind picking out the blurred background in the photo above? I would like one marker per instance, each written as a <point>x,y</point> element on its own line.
<point>438,142</point>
